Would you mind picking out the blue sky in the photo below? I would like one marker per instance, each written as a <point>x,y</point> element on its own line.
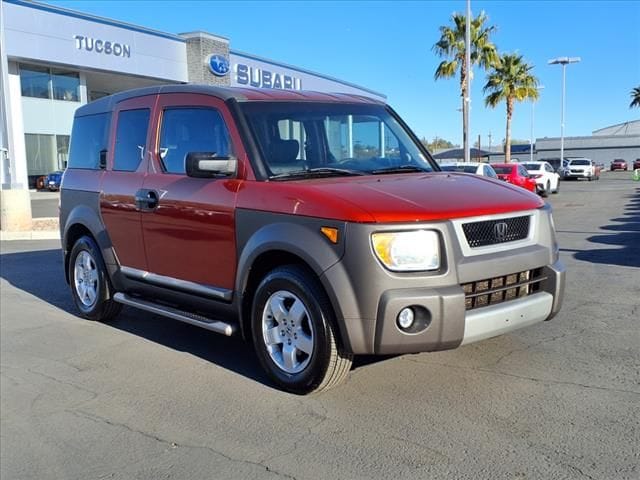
<point>386,46</point>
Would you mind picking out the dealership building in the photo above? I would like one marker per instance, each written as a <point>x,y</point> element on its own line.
<point>54,60</point>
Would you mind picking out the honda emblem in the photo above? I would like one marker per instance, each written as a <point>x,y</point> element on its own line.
<point>500,231</point>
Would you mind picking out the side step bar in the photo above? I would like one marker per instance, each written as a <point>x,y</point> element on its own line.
<point>187,317</point>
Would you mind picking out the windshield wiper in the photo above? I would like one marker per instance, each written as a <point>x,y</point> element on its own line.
<point>399,169</point>
<point>317,172</point>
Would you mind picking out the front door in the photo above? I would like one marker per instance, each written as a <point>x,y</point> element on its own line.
<point>189,234</point>
<point>126,167</point>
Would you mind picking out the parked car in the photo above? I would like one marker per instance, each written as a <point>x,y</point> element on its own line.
<point>516,174</point>
<point>53,180</point>
<point>636,163</point>
<point>477,168</point>
<point>547,180</point>
<point>619,164</point>
<point>237,211</point>
<point>580,167</point>
<point>555,163</point>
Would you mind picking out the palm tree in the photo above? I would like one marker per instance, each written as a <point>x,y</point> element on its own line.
<point>635,98</point>
<point>452,46</point>
<point>510,80</point>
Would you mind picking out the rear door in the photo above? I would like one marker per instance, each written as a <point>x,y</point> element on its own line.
<point>190,232</point>
<point>126,168</point>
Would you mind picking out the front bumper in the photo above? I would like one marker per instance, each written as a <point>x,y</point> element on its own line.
<point>367,298</point>
<point>451,325</point>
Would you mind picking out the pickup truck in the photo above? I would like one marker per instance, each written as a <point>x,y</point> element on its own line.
<point>314,225</point>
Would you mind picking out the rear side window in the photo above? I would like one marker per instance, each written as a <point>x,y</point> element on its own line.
<point>131,139</point>
<point>88,137</point>
<point>506,170</point>
<point>186,130</point>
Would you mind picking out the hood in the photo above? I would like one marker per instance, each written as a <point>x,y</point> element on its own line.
<point>435,196</point>
<point>392,198</point>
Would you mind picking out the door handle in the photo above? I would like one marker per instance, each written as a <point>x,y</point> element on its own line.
<point>146,199</point>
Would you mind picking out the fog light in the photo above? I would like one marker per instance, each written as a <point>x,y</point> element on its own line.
<point>405,318</point>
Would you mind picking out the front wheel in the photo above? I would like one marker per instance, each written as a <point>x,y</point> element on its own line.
<point>294,333</point>
<point>90,286</point>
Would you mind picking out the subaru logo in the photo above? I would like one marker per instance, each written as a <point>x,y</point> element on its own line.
<point>218,65</point>
<point>500,231</point>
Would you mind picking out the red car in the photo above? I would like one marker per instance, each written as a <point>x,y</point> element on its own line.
<point>619,164</point>
<point>636,163</point>
<point>515,174</point>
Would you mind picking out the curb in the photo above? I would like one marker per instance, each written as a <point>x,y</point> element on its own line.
<point>30,235</point>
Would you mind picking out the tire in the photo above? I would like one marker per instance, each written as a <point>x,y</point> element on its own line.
<point>90,285</point>
<point>557,187</point>
<point>545,192</point>
<point>314,361</point>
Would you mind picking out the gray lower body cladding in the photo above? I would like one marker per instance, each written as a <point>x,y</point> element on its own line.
<point>368,297</point>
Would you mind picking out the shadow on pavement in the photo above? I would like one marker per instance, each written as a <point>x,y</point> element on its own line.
<point>40,273</point>
<point>625,236</point>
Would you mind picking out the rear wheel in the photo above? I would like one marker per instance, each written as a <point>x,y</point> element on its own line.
<point>545,191</point>
<point>90,286</point>
<point>294,332</point>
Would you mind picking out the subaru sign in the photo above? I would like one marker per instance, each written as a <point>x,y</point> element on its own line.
<point>218,65</point>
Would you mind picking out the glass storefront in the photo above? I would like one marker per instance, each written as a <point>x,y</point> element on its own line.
<point>43,82</point>
<point>45,154</point>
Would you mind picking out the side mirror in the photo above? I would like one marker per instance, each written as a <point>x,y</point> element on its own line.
<point>103,160</point>
<point>209,165</point>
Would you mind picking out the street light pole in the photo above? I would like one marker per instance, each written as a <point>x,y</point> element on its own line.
<point>533,116</point>
<point>564,61</point>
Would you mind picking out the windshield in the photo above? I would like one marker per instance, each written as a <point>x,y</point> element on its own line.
<point>506,170</point>
<point>532,166</point>
<point>317,139</point>
<point>580,162</point>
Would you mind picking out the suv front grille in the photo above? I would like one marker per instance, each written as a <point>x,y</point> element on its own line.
<point>487,292</point>
<point>492,232</point>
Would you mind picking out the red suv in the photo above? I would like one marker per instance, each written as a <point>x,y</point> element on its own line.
<point>515,174</point>
<point>314,225</point>
<point>619,164</point>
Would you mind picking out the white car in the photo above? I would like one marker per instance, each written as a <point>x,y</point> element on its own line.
<point>547,180</point>
<point>580,167</point>
<point>477,168</point>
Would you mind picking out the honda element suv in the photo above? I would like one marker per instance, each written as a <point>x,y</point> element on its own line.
<point>314,225</point>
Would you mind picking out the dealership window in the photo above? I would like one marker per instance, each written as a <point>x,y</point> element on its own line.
<point>65,85</point>
<point>34,81</point>
<point>43,82</point>
<point>62,146</point>
<point>186,130</point>
<point>131,139</point>
<point>41,154</point>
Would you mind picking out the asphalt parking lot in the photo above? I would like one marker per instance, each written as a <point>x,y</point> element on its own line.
<point>149,398</point>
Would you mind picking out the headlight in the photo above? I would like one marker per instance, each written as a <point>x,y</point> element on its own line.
<point>412,251</point>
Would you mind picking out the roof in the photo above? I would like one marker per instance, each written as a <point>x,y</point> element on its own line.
<point>94,18</point>
<point>459,153</point>
<point>625,128</point>
<point>106,104</point>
